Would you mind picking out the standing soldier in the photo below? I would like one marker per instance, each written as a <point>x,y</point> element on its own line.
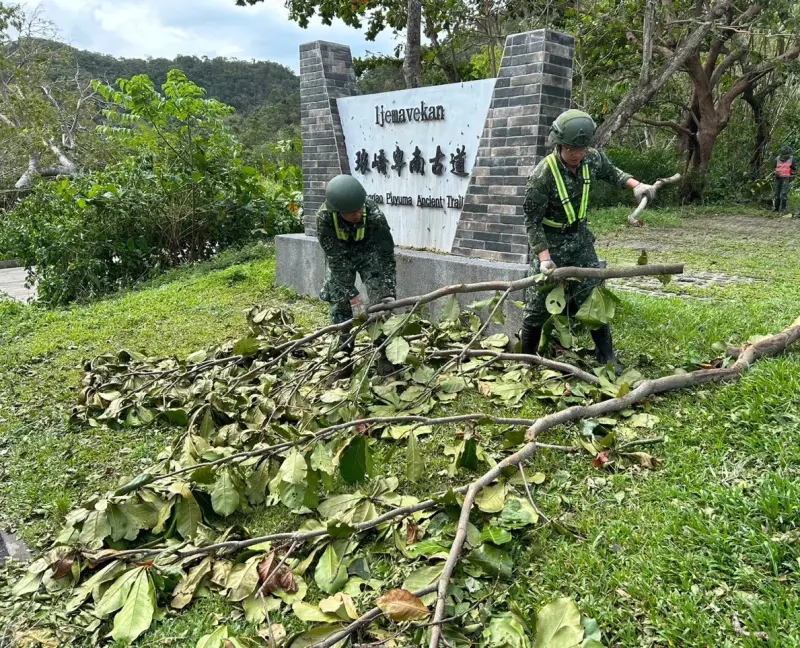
<point>785,172</point>
<point>555,208</point>
<point>355,237</point>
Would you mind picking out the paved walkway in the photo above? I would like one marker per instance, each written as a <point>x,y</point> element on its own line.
<point>12,283</point>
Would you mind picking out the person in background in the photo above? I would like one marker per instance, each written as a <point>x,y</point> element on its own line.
<point>785,171</point>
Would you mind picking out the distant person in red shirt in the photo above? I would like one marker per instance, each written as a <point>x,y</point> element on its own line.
<point>785,172</point>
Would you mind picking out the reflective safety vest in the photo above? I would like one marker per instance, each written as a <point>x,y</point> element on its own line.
<point>783,168</point>
<point>564,196</point>
<point>345,236</point>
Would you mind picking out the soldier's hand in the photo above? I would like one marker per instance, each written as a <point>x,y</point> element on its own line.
<point>643,190</point>
<point>358,307</point>
<point>547,266</point>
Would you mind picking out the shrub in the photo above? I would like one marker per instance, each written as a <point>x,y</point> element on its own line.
<point>647,166</point>
<point>182,193</point>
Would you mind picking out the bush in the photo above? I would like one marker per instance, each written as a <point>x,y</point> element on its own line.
<point>647,166</point>
<point>181,194</point>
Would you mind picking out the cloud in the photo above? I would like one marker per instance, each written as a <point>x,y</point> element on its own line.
<point>166,28</point>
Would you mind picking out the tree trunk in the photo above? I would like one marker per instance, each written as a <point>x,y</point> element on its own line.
<point>697,165</point>
<point>412,66</point>
<point>756,102</point>
<point>647,45</point>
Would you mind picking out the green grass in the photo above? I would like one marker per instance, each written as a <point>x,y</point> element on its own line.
<point>669,556</point>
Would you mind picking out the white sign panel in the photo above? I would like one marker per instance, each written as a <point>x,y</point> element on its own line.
<point>413,150</point>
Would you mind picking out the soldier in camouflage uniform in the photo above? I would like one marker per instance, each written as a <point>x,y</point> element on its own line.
<point>356,238</point>
<point>555,208</point>
<point>785,170</point>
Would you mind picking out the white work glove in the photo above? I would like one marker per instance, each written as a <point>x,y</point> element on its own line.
<point>547,266</point>
<point>358,307</point>
<point>643,190</point>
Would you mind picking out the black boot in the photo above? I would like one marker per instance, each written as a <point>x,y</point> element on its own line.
<point>529,341</point>
<point>604,348</point>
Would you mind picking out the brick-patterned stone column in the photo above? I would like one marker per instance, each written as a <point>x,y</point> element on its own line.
<point>326,73</point>
<point>533,87</point>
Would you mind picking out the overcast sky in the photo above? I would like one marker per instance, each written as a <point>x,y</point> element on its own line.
<point>166,28</point>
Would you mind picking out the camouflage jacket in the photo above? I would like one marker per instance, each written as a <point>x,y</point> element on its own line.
<point>541,195</point>
<point>339,253</point>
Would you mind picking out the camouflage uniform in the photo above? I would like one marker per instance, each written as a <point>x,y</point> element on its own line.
<point>372,257</point>
<point>571,246</point>
<point>783,184</point>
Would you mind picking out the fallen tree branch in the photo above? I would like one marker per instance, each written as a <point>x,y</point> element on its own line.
<point>768,347</point>
<point>527,358</point>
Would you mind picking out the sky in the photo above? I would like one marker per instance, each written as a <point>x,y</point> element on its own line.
<point>166,28</point>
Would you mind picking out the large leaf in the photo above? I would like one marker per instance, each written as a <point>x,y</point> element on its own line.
<point>312,613</point>
<point>225,495</point>
<point>494,561</point>
<point>339,505</point>
<point>321,460</point>
<point>517,513</point>
<point>415,464</point>
<point>95,529</point>
<point>117,594</point>
<point>558,625</point>
<point>556,302</point>
<point>243,579</point>
<point>247,346</point>
<point>109,572</point>
<point>401,605</point>
<point>341,605</point>
<point>495,535</point>
<point>422,577</point>
<point>184,592</point>
<point>330,574</point>
<point>315,636</point>
<point>397,350</point>
<point>293,469</point>
<point>214,640</point>
<point>506,631</point>
<point>356,461</point>
<point>136,615</point>
<point>491,499</point>
<point>451,309</point>
<point>598,309</point>
<point>188,515</point>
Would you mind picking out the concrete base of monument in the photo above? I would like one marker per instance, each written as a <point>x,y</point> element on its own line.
<point>301,266</point>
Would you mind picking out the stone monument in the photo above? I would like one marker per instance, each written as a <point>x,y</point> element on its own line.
<point>447,164</point>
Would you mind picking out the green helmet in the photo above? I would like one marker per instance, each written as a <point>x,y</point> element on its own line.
<point>345,194</point>
<point>573,128</point>
<point>786,150</point>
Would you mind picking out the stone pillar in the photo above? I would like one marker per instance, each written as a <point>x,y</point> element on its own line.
<point>533,87</point>
<point>326,73</point>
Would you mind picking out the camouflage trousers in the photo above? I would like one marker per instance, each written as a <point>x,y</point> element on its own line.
<point>377,271</point>
<point>566,249</point>
<point>782,187</point>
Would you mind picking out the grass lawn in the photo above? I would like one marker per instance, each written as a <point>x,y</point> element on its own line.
<point>670,557</point>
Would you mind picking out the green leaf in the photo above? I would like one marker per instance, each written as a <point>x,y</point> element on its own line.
<point>451,310</point>
<point>109,572</point>
<point>415,464</point>
<point>495,535</point>
<point>330,574</point>
<point>338,529</point>
<point>592,638</point>
<point>214,640</point>
<point>321,460</point>
<point>184,592</point>
<point>556,301</point>
<point>517,513</point>
<point>196,357</point>
<point>643,421</point>
<point>247,346</point>
<point>188,515</point>
<point>429,548</point>
<point>397,350</point>
<point>312,613</point>
<point>469,455</point>
<point>95,529</point>
<point>507,631</point>
<point>339,505</point>
<point>28,584</point>
<point>117,594</point>
<point>225,496</point>
<point>356,461</point>
<point>293,470</point>
<point>491,499</point>
<point>422,577</point>
<point>243,579</point>
<point>496,562</point>
<point>136,615</point>
<point>558,625</point>
<point>598,309</point>
<point>314,636</point>
<point>452,384</point>
<point>497,341</point>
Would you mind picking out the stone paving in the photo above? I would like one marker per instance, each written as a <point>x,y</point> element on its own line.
<point>12,283</point>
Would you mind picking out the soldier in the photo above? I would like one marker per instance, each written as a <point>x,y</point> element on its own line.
<point>556,202</point>
<point>785,172</point>
<point>355,237</point>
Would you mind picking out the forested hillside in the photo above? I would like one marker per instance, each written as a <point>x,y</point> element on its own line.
<point>245,85</point>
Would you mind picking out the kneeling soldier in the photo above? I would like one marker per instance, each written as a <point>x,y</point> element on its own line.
<point>555,208</point>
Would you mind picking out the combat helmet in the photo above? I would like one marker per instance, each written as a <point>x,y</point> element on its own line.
<point>786,150</point>
<point>345,194</point>
<point>573,128</point>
